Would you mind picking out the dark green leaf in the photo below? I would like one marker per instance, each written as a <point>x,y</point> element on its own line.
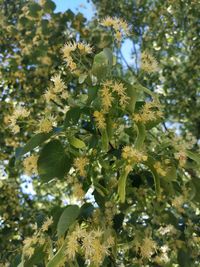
<point>92,93</point>
<point>194,156</point>
<point>118,221</point>
<point>86,211</point>
<point>49,5</point>
<point>58,258</point>
<point>196,183</point>
<point>171,174</point>
<point>72,116</point>
<point>34,8</point>
<point>53,162</point>
<point>37,258</point>
<point>68,217</point>
<point>184,258</point>
<point>35,141</point>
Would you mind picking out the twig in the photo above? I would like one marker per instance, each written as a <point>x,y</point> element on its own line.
<point>128,66</point>
<point>59,105</point>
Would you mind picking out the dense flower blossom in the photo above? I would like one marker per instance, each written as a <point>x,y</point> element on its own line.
<point>149,112</point>
<point>131,154</point>
<point>30,164</point>
<point>19,113</point>
<point>59,85</point>
<point>107,97</point>
<point>120,27</point>
<point>148,247</point>
<point>46,124</point>
<point>100,119</point>
<point>148,63</point>
<point>46,224</point>
<point>159,168</point>
<point>80,164</point>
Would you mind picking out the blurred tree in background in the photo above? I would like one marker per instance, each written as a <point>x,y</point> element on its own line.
<point>169,29</point>
<point>164,227</point>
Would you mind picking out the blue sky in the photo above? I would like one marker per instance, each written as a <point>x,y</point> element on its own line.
<point>76,5</point>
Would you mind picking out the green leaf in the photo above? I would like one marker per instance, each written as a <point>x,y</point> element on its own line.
<point>72,116</point>
<point>58,258</point>
<point>101,64</point>
<point>184,258</point>
<point>92,93</point>
<point>171,174</point>
<point>118,221</point>
<point>149,125</point>
<point>37,257</point>
<point>196,183</point>
<point>68,217</point>
<point>86,211</point>
<point>82,78</point>
<point>35,141</point>
<point>193,156</point>
<point>109,127</point>
<point>109,55</point>
<point>34,8</point>
<point>99,199</point>
<point>76,142</point>
<point>49,5</point>
<point>53,162</point>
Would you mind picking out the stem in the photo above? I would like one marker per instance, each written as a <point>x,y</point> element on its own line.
<point>140,136</point>
<point>59,105</point>
<point>123,178</point>
<point>104,138</point>
<point>122,186</point>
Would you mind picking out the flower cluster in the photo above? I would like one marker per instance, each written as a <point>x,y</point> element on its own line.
<point>108,88</point>
<point>39,238</point>
<point>100,119</point>
<point>132,156</point>
<point>148,63</point>
<point>30,165</point>
<point>89,242</point>
<point>80,164</point>
<point>46,224</point>
<point>149,112</point>
<point>57,91</point>
<point>19,113</point>
<point>75,187</point>
<point>148,247</point>
<point>159,168</point>
<point>110,211</point>
<point>120,27</point>
<point>70,47</point>
<point>46,124</point>
<point>181,146</point>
